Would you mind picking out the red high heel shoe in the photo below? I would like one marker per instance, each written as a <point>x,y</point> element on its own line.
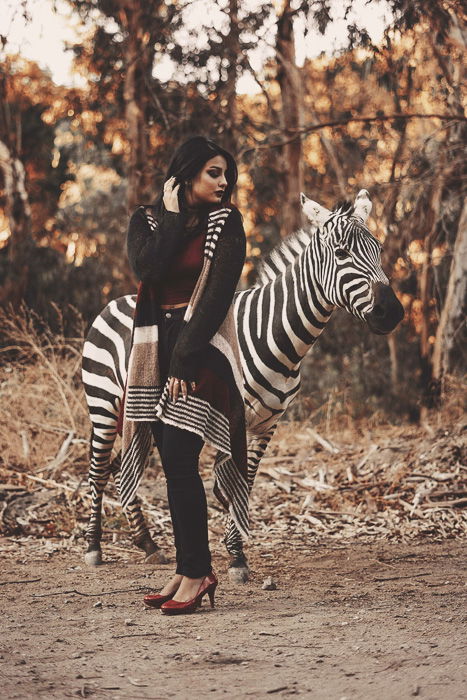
<point>208,585</point>
<point>155,600</point>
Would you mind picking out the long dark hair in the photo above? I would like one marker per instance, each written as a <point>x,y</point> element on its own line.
<point>188,160</point>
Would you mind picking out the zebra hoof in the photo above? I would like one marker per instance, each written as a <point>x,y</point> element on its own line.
<point>93,558</point>
<point>156,558</point>
<point>238,571</point>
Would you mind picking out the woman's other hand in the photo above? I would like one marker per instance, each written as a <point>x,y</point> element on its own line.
<point>171,195</point>
<point>179,386</point>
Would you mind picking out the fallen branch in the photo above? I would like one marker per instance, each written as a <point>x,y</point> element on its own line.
<point>396,578</point>
<point>323,442</point>
<point>25,445</point>
<point>142,634</point>
<point>362,487</point>
<point>432,477</point>
<point>61,454</point>
<point>30,580</point>
<point>364,459</point>
<point>116,531</point>
<point>450,492</point>
<point>332,512</point>
<point>444,504</point>
<point>54,484</point>
<point>398,663</point>
<point>410,508</point>
<point>129,550</point>
<point>92,595</point>
<point>282,458</point>
<point>136,682</point>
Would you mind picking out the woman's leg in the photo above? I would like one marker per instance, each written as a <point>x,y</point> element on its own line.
<point>168,332</point>
<point>172,585</point>
<point>187,500</point>
<point>179,450</point>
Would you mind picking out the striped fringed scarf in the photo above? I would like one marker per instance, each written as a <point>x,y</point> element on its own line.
<point>215,410</point>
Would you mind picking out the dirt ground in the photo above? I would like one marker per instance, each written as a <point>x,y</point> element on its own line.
<point>365,541</point>
<point>348,620</point>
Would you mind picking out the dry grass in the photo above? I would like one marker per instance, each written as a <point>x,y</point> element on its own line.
<point>43,416</point>
<point>327,475</point>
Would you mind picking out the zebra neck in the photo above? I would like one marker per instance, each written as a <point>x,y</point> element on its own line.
<point>311,289</point>
<point>301,304</point>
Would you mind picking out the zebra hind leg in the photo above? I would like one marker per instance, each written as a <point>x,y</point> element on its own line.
<point>139,530</point>
<point>239,571</point>
<point>102,440</point>
<point>238,567</point>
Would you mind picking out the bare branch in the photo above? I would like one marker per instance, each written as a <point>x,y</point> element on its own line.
<point>299,133</point>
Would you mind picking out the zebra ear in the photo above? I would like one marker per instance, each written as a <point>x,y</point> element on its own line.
<point>362,205</point>
<point>315,213</point>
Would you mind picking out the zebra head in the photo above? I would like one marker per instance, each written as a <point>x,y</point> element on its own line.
<point>350,272</point>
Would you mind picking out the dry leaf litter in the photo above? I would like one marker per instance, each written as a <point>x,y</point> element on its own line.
<point>336,478</point>
<point>396,483</point>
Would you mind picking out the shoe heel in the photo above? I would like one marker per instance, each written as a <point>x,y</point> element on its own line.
<point>211,592</point>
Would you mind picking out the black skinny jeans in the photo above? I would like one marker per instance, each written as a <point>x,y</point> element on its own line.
<point>179,452</point>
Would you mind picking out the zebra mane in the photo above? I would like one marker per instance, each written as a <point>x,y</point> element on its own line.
<point>285,252</point>
<point>344,208</point>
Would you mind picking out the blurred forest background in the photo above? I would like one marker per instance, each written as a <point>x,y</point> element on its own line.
<point>387,116</point>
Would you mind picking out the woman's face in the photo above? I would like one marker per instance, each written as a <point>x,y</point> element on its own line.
<point>208,186</point>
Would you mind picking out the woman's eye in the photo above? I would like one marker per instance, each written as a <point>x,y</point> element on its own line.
<point>341,253</point>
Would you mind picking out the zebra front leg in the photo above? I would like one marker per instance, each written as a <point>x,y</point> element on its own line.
<point>138,527</point>
<point>238,567</point>
<point>141,535</point>
<point>102,440</point>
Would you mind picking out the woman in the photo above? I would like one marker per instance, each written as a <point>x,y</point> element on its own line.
<point>184,377</point>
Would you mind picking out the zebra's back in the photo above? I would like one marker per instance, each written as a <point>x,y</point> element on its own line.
<point>105,358</point>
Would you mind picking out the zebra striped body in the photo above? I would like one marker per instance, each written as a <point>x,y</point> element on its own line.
<point>104,370</point>
<point>278,321</point>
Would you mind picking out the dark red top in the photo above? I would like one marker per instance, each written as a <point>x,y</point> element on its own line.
<point>184,272</point>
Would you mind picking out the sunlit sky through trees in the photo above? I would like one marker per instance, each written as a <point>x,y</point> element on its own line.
<point>44,38</point>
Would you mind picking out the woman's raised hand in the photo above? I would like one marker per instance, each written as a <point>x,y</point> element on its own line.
<point>171,195</point>
<point>177,386</point>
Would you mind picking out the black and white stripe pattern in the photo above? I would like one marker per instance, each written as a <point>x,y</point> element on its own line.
<point>215,224</point>
<point>140,403</point>
<point>153,223</point>
<point>104,368</point>
<point>278,321</point>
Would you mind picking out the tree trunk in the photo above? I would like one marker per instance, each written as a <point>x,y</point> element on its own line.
<point>453,313</point>
<point>430,392</point>
<point>228,88</point>
<point>436,358</point>
<point>18,213</point>
<point>392,345</point>
<point>139,56</point>
<point>290,83</point>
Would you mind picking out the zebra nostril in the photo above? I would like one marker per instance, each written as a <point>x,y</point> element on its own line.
<point>378,311</point>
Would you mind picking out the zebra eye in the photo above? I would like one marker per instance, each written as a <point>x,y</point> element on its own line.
<point>341,253</point>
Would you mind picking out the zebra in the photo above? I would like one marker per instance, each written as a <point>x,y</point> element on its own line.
<point>336,263</point>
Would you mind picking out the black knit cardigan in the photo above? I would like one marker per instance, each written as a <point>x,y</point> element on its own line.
<point>151,252</point>
<point>206,351</point>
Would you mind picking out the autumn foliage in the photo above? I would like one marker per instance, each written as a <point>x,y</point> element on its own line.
<point>388,117</point>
